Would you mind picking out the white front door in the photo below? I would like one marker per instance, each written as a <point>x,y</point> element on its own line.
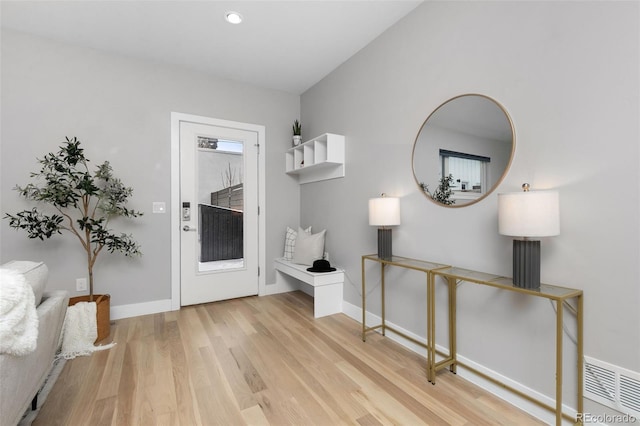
<point>218,212</point>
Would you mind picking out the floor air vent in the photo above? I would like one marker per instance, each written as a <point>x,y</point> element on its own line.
<point>612,386</point>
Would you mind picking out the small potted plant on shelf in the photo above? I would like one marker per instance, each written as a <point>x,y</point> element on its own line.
<point>297,133</point>
<point>80,203</point>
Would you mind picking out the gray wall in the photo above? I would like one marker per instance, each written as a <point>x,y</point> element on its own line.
<point>567,72</point>
<point>120,109</point>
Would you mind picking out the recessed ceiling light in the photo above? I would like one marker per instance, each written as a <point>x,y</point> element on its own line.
<point>233,17</point>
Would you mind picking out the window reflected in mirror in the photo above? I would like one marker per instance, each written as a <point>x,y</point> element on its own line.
<point>468,173</point>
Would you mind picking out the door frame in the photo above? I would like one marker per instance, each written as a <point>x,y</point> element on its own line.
<point>176,118</point>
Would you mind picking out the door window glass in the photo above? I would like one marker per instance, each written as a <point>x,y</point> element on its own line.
<point>220,204</point>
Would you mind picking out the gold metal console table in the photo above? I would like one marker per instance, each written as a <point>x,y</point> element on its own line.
<point>559,295</point>
<point>406,263</point>
<point>452,275</point>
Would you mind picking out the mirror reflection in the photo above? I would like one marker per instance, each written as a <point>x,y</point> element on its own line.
<point>463,150</point>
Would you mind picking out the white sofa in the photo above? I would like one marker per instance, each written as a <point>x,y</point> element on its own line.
<point>21,377</point>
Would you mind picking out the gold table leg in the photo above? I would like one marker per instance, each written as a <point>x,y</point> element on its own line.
<point>453,350</point>
<point>559,336</point>
<point>580,354</point>
<point>364,302</point>
<point>431,359</point>
<point>384,324</point>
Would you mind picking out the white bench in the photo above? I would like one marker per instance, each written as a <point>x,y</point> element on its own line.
<point>324,287</point>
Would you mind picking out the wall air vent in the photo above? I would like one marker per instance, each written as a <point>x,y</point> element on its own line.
<point>630,393</point>
<point>612,386</point>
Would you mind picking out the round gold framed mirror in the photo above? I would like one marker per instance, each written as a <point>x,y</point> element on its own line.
<point>463,150</point>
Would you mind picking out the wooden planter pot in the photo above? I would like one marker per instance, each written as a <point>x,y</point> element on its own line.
<point>103,314</point>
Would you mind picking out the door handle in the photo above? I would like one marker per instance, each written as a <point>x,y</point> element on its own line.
<point>187,228</point>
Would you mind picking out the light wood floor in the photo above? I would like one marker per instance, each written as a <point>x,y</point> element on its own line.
<point>261,360</point>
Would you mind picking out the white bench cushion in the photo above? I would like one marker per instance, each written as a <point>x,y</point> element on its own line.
<point>312,278</point>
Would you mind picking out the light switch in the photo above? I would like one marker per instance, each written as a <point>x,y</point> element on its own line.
<point>159,207</point>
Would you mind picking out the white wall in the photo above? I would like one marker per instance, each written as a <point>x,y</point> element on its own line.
<point>567,72</point>
<point>120,109</point>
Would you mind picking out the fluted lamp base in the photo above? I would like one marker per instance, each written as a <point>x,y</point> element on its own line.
<point>526,264</point>
<point>384,243</point>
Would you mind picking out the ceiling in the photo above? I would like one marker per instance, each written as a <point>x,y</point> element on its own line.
<point>281,45</point>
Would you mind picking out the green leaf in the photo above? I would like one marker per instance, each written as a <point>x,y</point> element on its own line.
<point>65,183</point>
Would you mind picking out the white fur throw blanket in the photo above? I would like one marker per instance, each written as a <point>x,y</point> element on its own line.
<point>18,316</point>
<point>80,330</point>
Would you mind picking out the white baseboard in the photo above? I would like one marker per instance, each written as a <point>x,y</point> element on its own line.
<point>355,312</point>
<point>157,306</point>
<point>137,309</point>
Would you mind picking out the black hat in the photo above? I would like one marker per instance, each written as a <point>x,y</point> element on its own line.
<point>321,265</point>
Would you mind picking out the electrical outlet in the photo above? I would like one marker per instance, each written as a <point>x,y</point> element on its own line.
<point>81,284</point>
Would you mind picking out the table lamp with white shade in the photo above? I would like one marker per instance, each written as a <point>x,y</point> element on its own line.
<point>528,215</point>
<point>384,212</point>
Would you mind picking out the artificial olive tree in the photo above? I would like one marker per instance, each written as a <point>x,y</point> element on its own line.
<point>71,198</point>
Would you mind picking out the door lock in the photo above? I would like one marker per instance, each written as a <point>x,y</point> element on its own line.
<point>186,211</point>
